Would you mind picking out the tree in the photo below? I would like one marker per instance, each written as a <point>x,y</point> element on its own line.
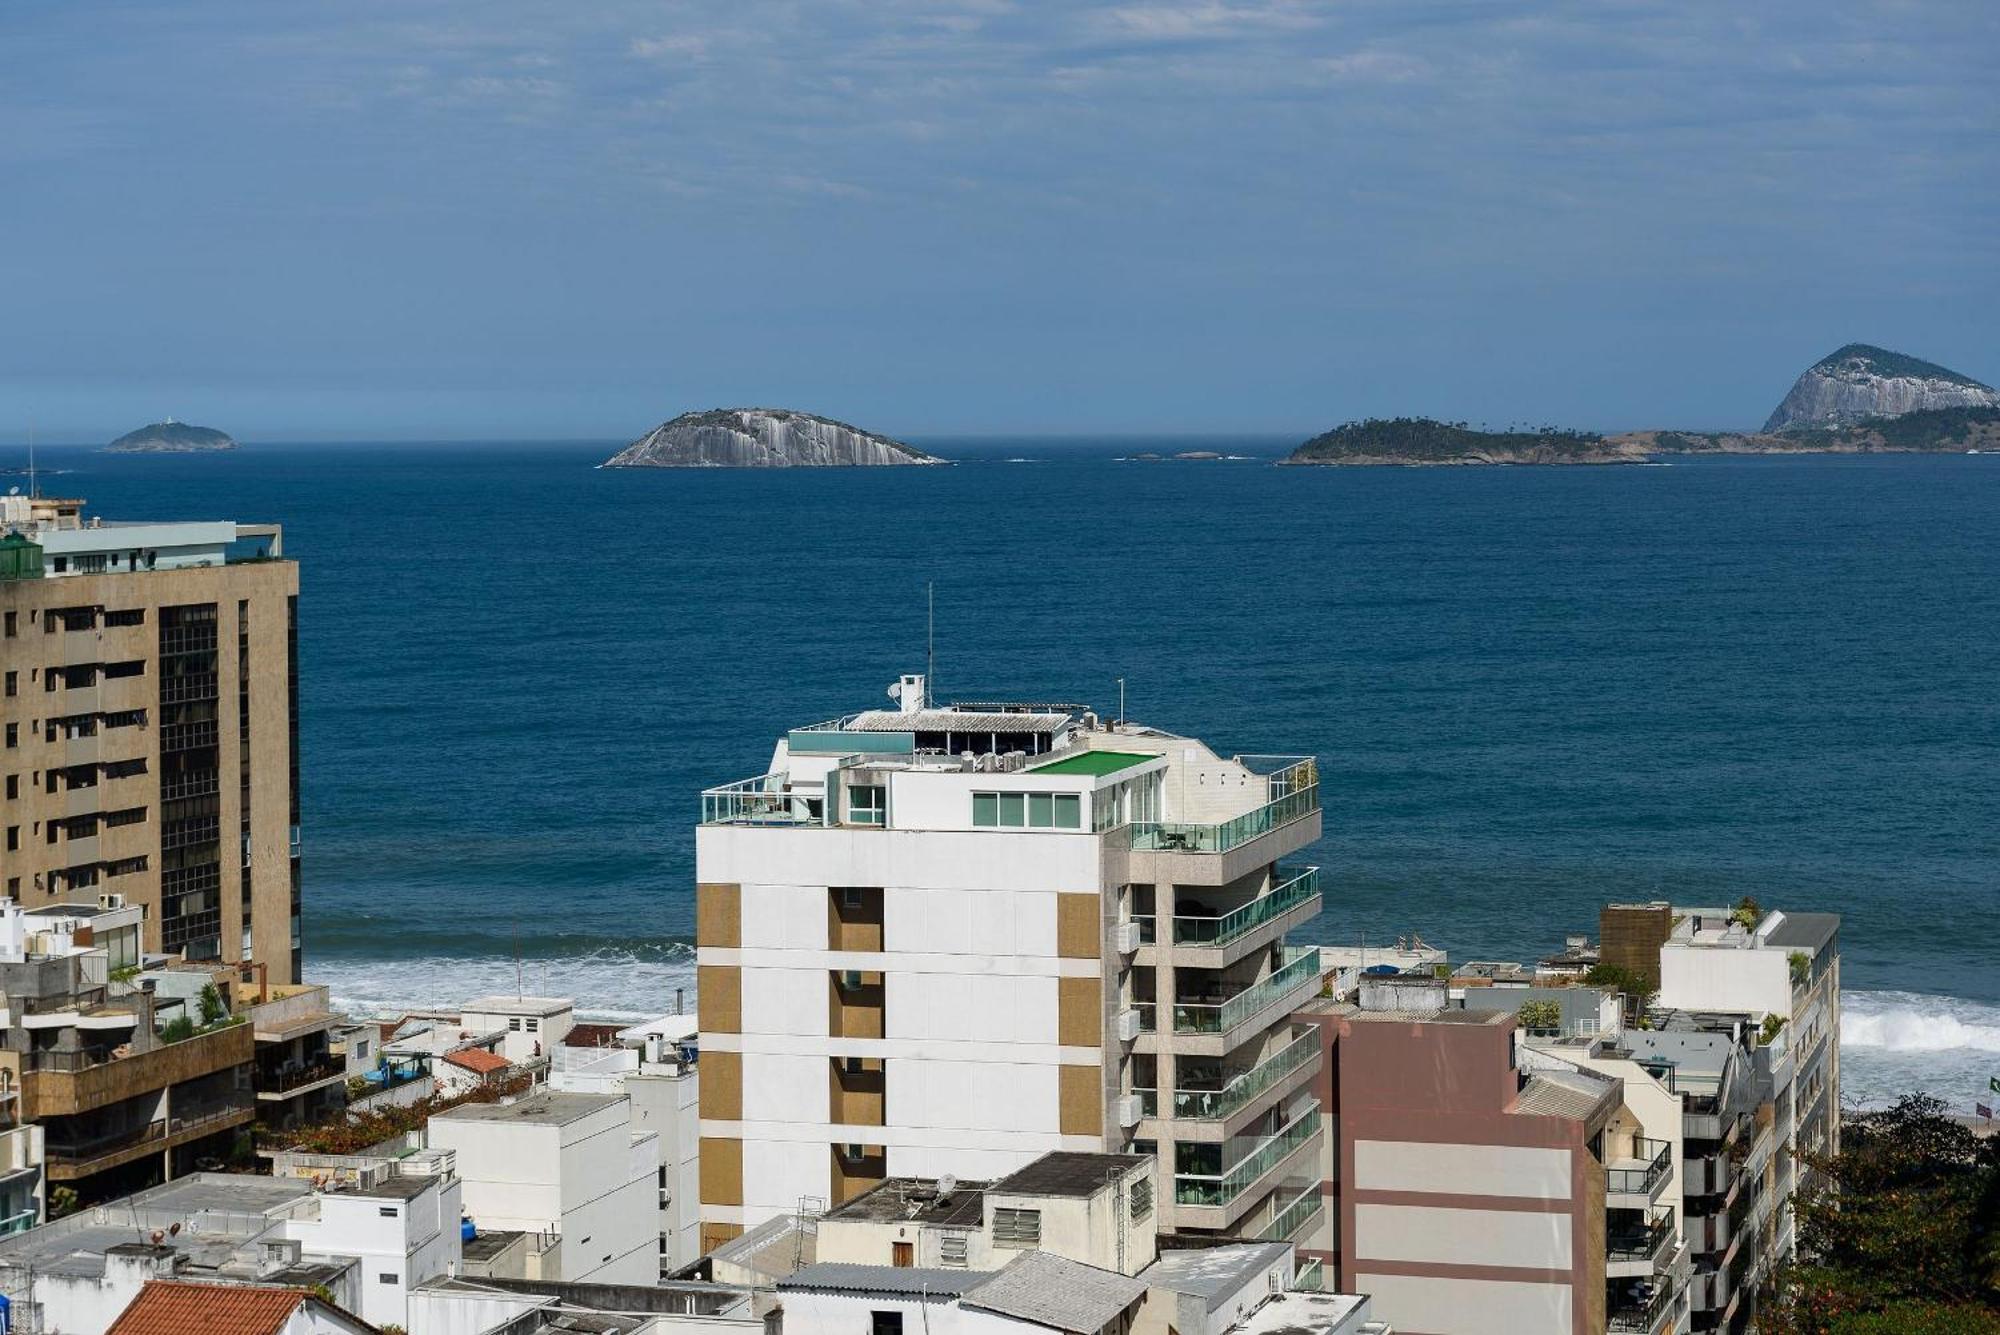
<point>177,1029</point>
<point>212,1007</point>
<point>1899,1231</point>
<point>1748,913</point>
<point>1540,1015</point>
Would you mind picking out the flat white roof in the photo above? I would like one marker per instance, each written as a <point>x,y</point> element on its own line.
<point>674,1027</point>
<point>519,1006</point>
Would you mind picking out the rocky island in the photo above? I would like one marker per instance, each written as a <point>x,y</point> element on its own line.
<point>763,438</point>
<point>1858,382</point>
<point>1423,441</point>
<point>171,437</point>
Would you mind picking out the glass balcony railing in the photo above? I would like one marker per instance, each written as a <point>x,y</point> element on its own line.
<point>760,801</point>
<point>1288,1220</point>
<point>1641,1245</point>
<point>1657,1157</point>
<point>1310,1276</point>
<point>19,1222</point>
<point>1206,1018</point>
<point>1225,1187</point>
<point>1201,1105</point>
<point>1282,899</point>
<point>1292,791</point>
<point>1149,1102</point>
<point>1643,1313</point>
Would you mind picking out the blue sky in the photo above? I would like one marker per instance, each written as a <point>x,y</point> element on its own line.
<point>489,218</point>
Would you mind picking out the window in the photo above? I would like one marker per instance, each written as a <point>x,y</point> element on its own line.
<point>1142,1198</point>
<point>514,1024</point>
<point>1017,1228</point>
<point>951,1250</point>
<point>386,1211</point>
<point>14,837</point>
<point>59,564</point>
<point>985,808</point>
<point>386,1278</point>
<point>13,786</point>
<point>1041,810</point>
<point>134,616</point>
<point>850,979</point>
<point>1013,809</point>
<point>13,683</point>
<point>13,734</point>
<point>10,625</point>
<point>533,1025</point>
<point>885,1323</point>
<point>1069,811</point>
<point>1035,811</point>
<point>850,897</point>
<point>91,563</point>
<point>867,804</point>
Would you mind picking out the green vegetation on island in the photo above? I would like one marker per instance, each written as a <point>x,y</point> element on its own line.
<point>1901,365</point>
<point>1423,440</point>
<point>1928,430</point>
<point>171,437</point>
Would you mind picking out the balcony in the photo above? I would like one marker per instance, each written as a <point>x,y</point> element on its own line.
<point>1650,1308</point>
<point>1635,1183</point>
<point>1234,1185</point>
<point>1289,1221</point>
<point>1289,982</point>
<point>291,1081</point>
<point>74,1159</point>
<point>1292,792</point>
<point>765,800</point>
<point>64,1083</point>
<point>1309,1277</point>
<point>18,1223</point>
<point>1219,1104</point>
<point>1302,887</point>
<point>1641,1252</point>
<point>1707,1176</point>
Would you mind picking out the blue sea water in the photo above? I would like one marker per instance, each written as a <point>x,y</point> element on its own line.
<point>1532,690</point>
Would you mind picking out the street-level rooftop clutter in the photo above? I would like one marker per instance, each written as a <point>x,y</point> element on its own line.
<point>460,1305</point>
<point>1209,1290</point>
<point>1037,1289</point>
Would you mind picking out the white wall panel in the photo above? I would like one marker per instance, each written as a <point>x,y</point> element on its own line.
<point>777,1172</point>
<point>1521,1239</point>
<point>1468,1170</point>
<point>785,1089</point>
<point>1464,1306</point>
<point>784,917</point>
<point>785,1001</point>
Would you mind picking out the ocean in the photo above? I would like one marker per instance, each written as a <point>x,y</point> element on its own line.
<point>1532,690</point>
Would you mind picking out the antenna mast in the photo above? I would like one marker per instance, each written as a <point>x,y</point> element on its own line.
<point>34,486</point>
<point>930,638</point>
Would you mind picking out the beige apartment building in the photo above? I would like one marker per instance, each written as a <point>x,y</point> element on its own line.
<point>149,726</point>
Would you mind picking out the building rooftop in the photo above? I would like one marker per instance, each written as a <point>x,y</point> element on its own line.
<point>1803,931</point>
<point>478,1060</point>
<point>544,1108</point>
<point>1298,1313</point>
<point>1213,1273</point>
<point>775,1248</point>
<point>498,1005</point>
<point>208,1218</point>
<point>1055,1291</point>
<point>1576,1095</point>
<point>1069,1173</point>
<point>917,1200</point>
<point>165,1307</point>
<point>1093,762</point>
<point>849,1277</point>
<point>489,1243</point>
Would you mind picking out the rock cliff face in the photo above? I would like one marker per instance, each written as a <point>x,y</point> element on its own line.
<point>762,438</point>
<point>1860,382</point>
<point>171,437</point>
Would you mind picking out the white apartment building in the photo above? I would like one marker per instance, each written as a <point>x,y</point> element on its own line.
<point>948,939</point>
<point>649,1067</point>
<point>567,1170</point>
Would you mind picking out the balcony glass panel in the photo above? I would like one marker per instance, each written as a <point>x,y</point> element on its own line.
<point>1658,1157</point>
<point>1286,896</point>
<point>1212,1104</point>
<point>1197,1018</point>
<point>1287,1221</point>
<point>1293,792</point>
<point>1223,1188</point>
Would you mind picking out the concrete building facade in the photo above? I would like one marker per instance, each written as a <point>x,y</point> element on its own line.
<point>950,939</point>
<point>149,726</point>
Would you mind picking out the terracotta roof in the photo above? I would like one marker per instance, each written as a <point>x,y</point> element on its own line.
<point>478,1060</point>
<point>593,1036</point>
<point>164,1307</point>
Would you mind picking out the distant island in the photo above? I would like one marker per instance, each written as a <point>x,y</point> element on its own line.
<point>171,437</point>
<point>1424,441</point>
<point>763,438</point>
<point>1859,399</point>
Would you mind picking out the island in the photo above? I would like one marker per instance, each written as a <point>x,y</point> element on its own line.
<point>1421,441</point>
<point>1926,431</point>
<point>171,437</point>
<point>763,438</point>
<point>1860,383</point>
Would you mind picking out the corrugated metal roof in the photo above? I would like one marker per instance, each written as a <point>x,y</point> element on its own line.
<point>1564,1094</point>
<point>951,720</point>
<point>850,1277</point>
<point>1056,1292</point>
<point>1804,931</point>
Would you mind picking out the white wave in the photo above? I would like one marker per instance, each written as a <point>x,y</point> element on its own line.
<point>1894,1043</point>
<point>605,984</point>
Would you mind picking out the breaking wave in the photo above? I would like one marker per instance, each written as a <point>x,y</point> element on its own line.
<point>607,982</point>
<point>1892,1043</point>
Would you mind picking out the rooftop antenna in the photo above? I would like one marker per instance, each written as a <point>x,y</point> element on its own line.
<point>1121,702</point>
<point>520,988</point>
<point>34,487</point>
<point>930,638</point>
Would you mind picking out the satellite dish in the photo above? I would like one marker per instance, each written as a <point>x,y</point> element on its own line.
<point>946,1185</point>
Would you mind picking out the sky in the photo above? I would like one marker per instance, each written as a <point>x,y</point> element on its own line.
<point>412,219</point>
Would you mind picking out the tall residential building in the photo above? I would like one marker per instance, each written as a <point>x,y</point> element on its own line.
<point>948,939</point>
<point>150,715</point>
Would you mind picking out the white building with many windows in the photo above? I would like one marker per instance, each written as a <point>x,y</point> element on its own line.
<point>948,939</point>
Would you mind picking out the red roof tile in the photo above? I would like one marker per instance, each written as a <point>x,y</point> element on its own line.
<point>478,1060</point>
<point>592,1036</point>
<point>164,1307</point>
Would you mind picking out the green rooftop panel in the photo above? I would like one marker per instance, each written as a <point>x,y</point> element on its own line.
<point>1093,762</point>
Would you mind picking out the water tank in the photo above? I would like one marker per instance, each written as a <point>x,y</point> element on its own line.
<point>467,1230</point>
<point>20,558</point>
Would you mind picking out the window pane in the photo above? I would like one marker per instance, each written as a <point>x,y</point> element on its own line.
<point>1041,810</point>
<point>985,809</point>
<point>1069,811</point>
<point>1011,808</point>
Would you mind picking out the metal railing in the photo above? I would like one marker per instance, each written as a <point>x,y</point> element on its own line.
<point>1309,1276</point>
<point>1641,1181</point>
<point>1641,1246</point>
<point>1643,1317</point>
<point>1284,897</point>
<point>285,1079</point>
<point>1226,1186</point>
<point>1292,792</point>
<point>1202,1105</point>
<point>1286,1222</point>
<point>764,800</point>
<point>1204,1018</point>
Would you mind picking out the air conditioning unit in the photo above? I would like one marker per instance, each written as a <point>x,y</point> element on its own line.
<point>111,901</point>
<point>1128,1110</point>
<point>1128,1025</point>
<point>1126,937</point>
